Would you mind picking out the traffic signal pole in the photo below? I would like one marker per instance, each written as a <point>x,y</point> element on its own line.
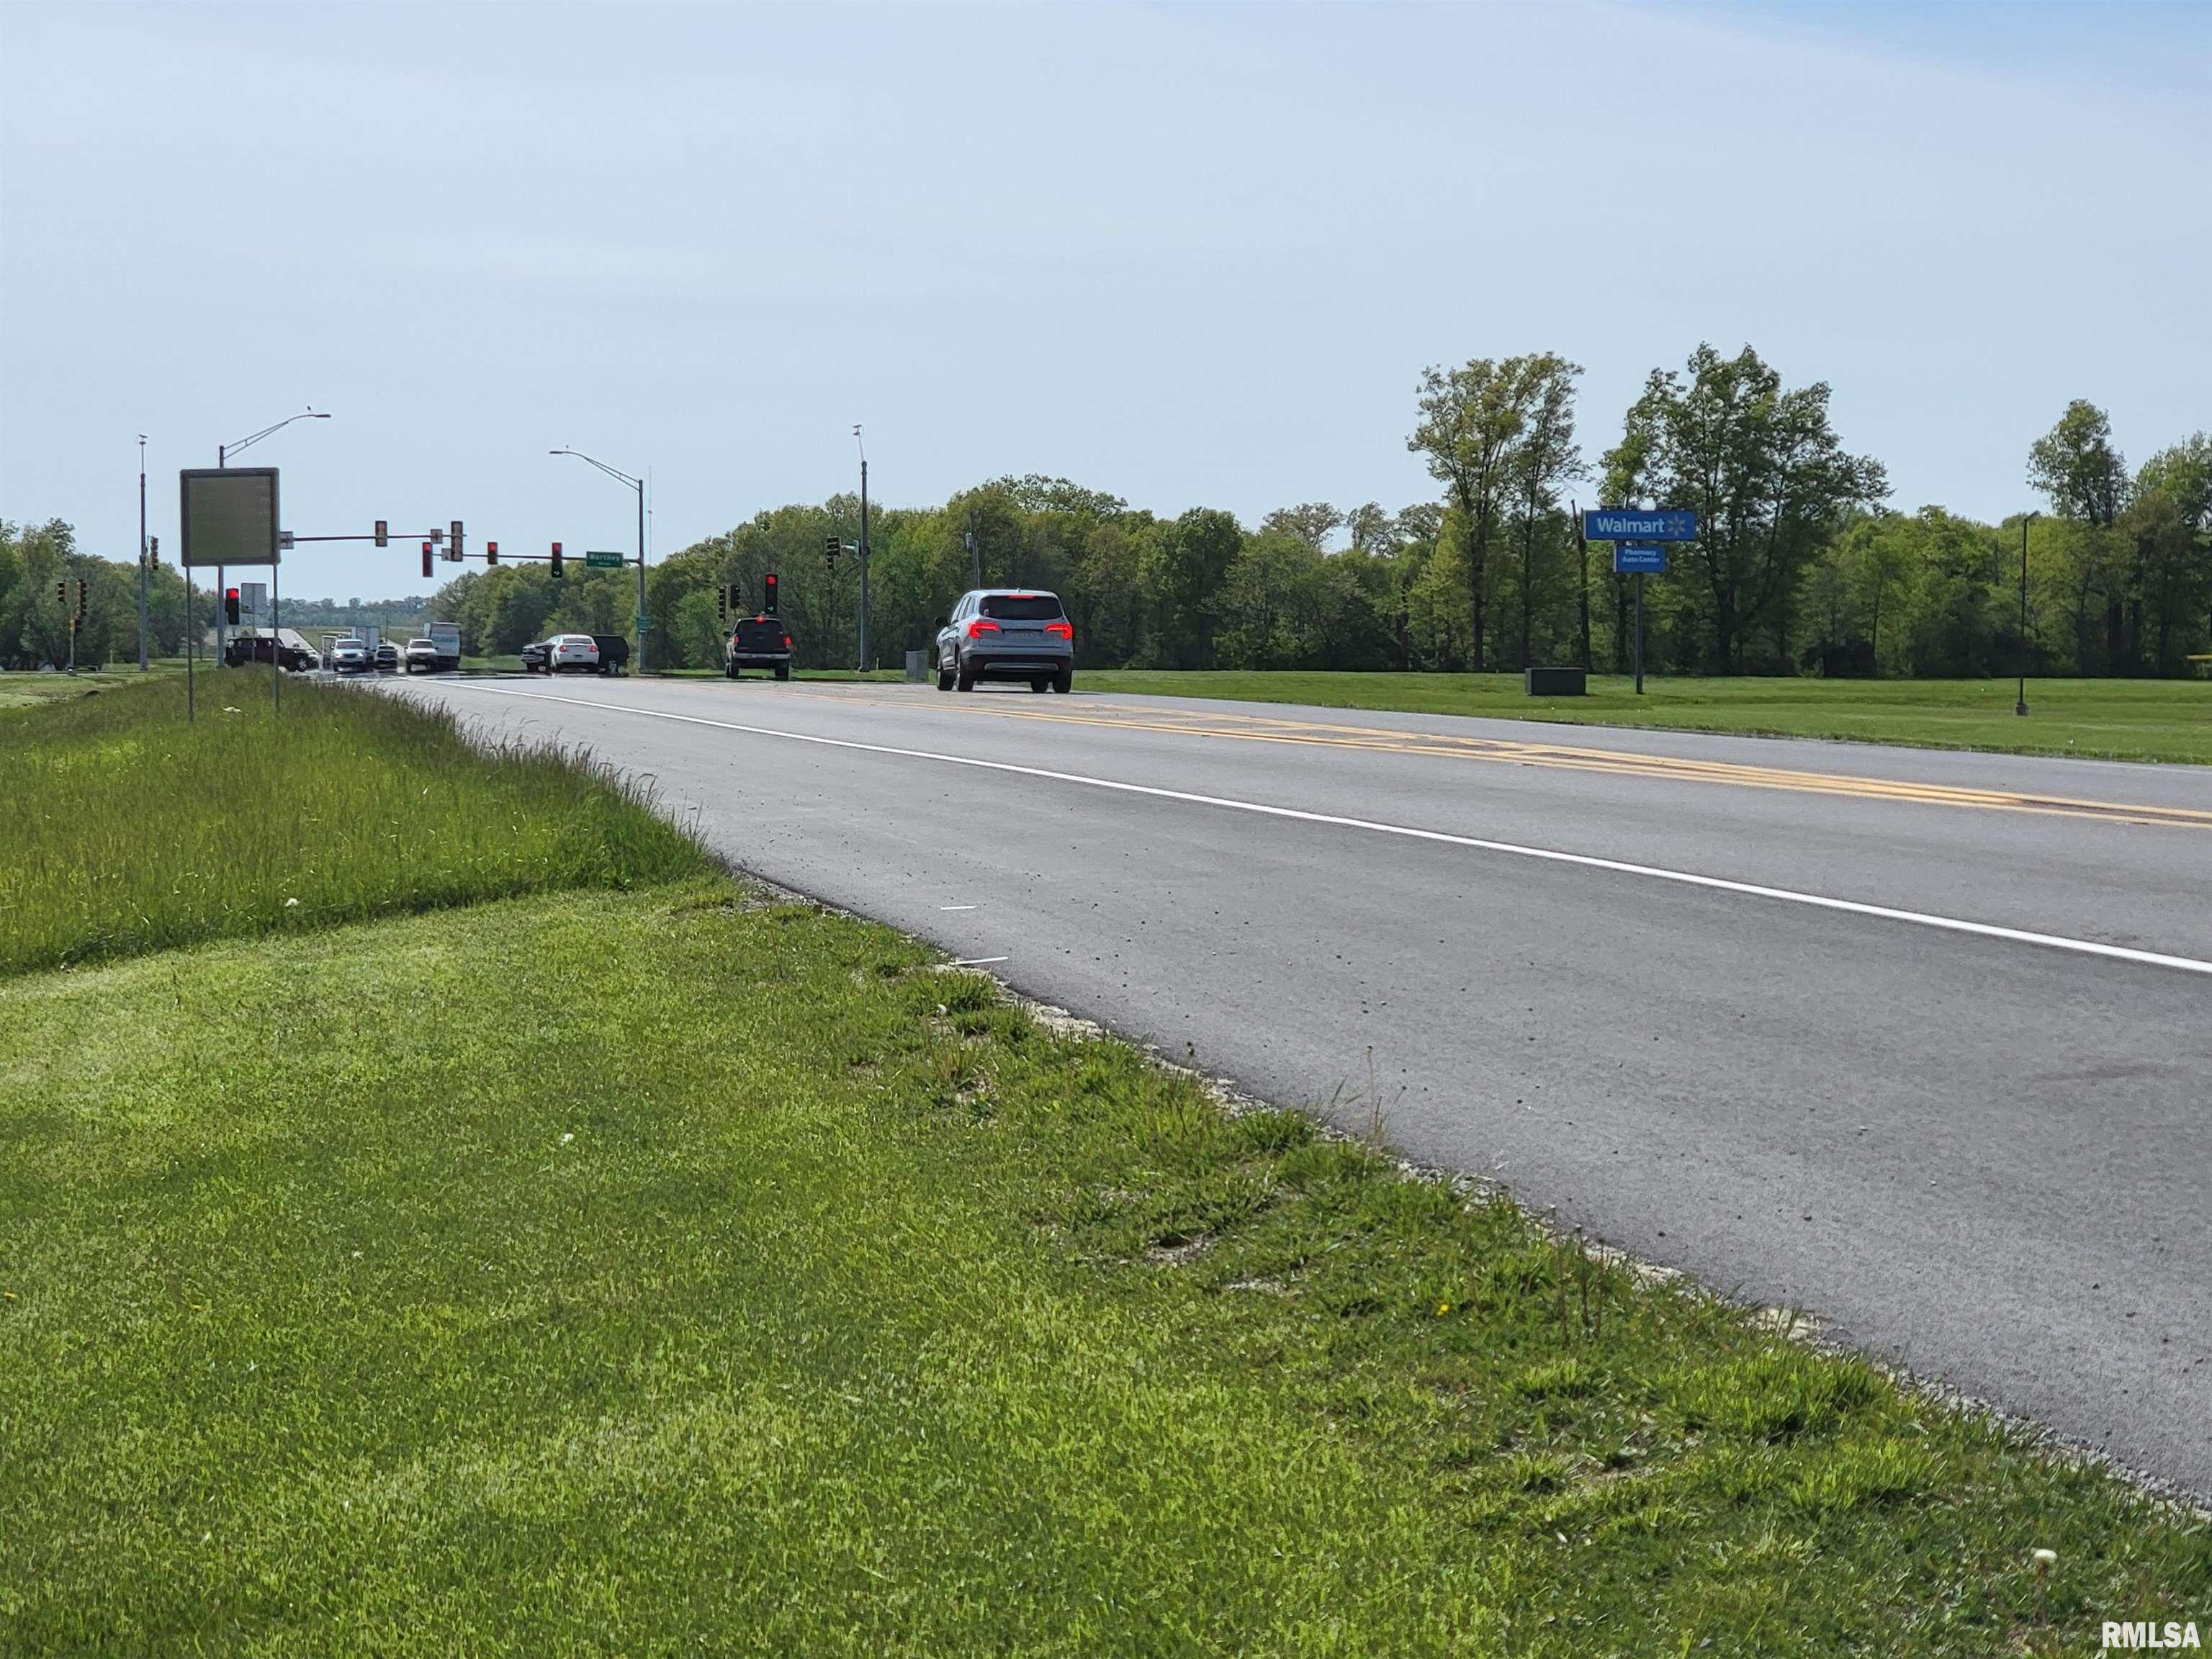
<point>142,553</point>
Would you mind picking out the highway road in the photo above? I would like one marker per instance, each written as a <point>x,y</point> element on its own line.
<point>1919,1041</point>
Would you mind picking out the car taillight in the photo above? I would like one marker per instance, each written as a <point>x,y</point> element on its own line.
<point>981,626</point>
<point>1060,630</point>
<point>787,641</point>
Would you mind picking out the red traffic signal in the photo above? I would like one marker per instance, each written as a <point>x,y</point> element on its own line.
<point>768,592</point>
<point>557,559</point>
<point>426,558</point>
<point>230,604</point>
<point>491,552</point>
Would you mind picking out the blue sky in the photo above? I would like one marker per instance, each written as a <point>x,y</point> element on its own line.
<point>1192,255</point>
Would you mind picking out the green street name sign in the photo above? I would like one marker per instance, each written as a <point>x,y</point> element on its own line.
<point>604,560</point>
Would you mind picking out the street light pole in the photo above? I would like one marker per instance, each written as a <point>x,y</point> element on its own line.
<point>857,439</point>
<point>638,485</point>
<point>142,552</point>
<point>2019,706</point>
<point>221,460</point>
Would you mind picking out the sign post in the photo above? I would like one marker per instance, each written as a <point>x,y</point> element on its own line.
<point>227,515</point>
<point>1639,542</point>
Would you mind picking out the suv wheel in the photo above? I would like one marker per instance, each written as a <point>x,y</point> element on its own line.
<point>1065,680</point>
<point>1038,682</point>
<point>963,676</point>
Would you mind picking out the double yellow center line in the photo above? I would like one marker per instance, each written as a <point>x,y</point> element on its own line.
<point>1200,722</point>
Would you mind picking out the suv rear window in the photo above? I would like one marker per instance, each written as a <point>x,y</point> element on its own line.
<point>1021,607</point>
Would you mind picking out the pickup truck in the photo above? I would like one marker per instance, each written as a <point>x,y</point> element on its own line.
<point>757,642</point>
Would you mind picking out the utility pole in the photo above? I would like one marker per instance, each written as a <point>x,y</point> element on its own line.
<point>2019,706</point>
<point>864,548</point>
<point>142,552</point>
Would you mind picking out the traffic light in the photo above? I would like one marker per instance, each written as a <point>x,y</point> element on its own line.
<point>767,594</point>
<point>154,551</point>
<point>491,552</point>
<point>383,535</point>
<point>722,602</point>
<point>61,590</point>
<point>831,549</point>
<point>426,558</point>
<point>230,605</point>
<point>454,551</point>
<point>81,591</point>
<point>557,561</point>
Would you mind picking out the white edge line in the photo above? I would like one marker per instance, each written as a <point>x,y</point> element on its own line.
<point>1584,860</point>
<point>976,961</point>
<point>955,907</point>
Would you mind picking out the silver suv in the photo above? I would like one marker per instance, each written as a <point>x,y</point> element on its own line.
<point>1006,633</point>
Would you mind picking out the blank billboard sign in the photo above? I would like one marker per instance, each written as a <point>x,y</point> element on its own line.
<point>228,514</point>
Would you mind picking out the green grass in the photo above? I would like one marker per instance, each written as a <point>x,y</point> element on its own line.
<point>662,1270</point>
<point>31,690</point>
<point>132,830</point>
<point>2115,720</point>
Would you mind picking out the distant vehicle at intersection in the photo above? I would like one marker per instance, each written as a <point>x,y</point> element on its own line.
<point>758,641</point>
<point>572,654</point>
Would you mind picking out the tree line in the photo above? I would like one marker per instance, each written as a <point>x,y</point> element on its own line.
<point>34,618</point>
<point>1801,566</point>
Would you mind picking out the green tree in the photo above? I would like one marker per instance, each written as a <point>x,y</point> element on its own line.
<point>1470,417</point>
<point>1181,568</point>
<point>1540,463</point>
<point>2168,522</point>
<point>1772,485</point>
<point>2085,478</point>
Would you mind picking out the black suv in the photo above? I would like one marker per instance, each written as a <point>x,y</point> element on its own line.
<point>757,642</point>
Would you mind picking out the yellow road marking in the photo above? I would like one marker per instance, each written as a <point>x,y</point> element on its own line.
<point>1255,728</point>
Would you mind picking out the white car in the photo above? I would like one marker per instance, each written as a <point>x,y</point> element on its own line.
<point>422,655</point>
<point>350,656</point>
<point>572,654</point>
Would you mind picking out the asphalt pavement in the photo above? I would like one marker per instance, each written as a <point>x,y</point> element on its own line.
<point>1920,1043</point>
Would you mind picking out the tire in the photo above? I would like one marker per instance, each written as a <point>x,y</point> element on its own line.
<point>1039,682</point>
<point>783,671</point>
<point>963,677</point>
<point>943,676</point>
<point>1064,682</point>
<point>730,670</point>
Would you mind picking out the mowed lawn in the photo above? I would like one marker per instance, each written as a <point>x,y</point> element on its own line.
<point>2112,720</point>
<point>647,1267</point>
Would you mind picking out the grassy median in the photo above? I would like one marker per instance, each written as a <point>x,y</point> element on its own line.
<point>131,830</point>
<point>2109,719</point>
<point>672,1270</point>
